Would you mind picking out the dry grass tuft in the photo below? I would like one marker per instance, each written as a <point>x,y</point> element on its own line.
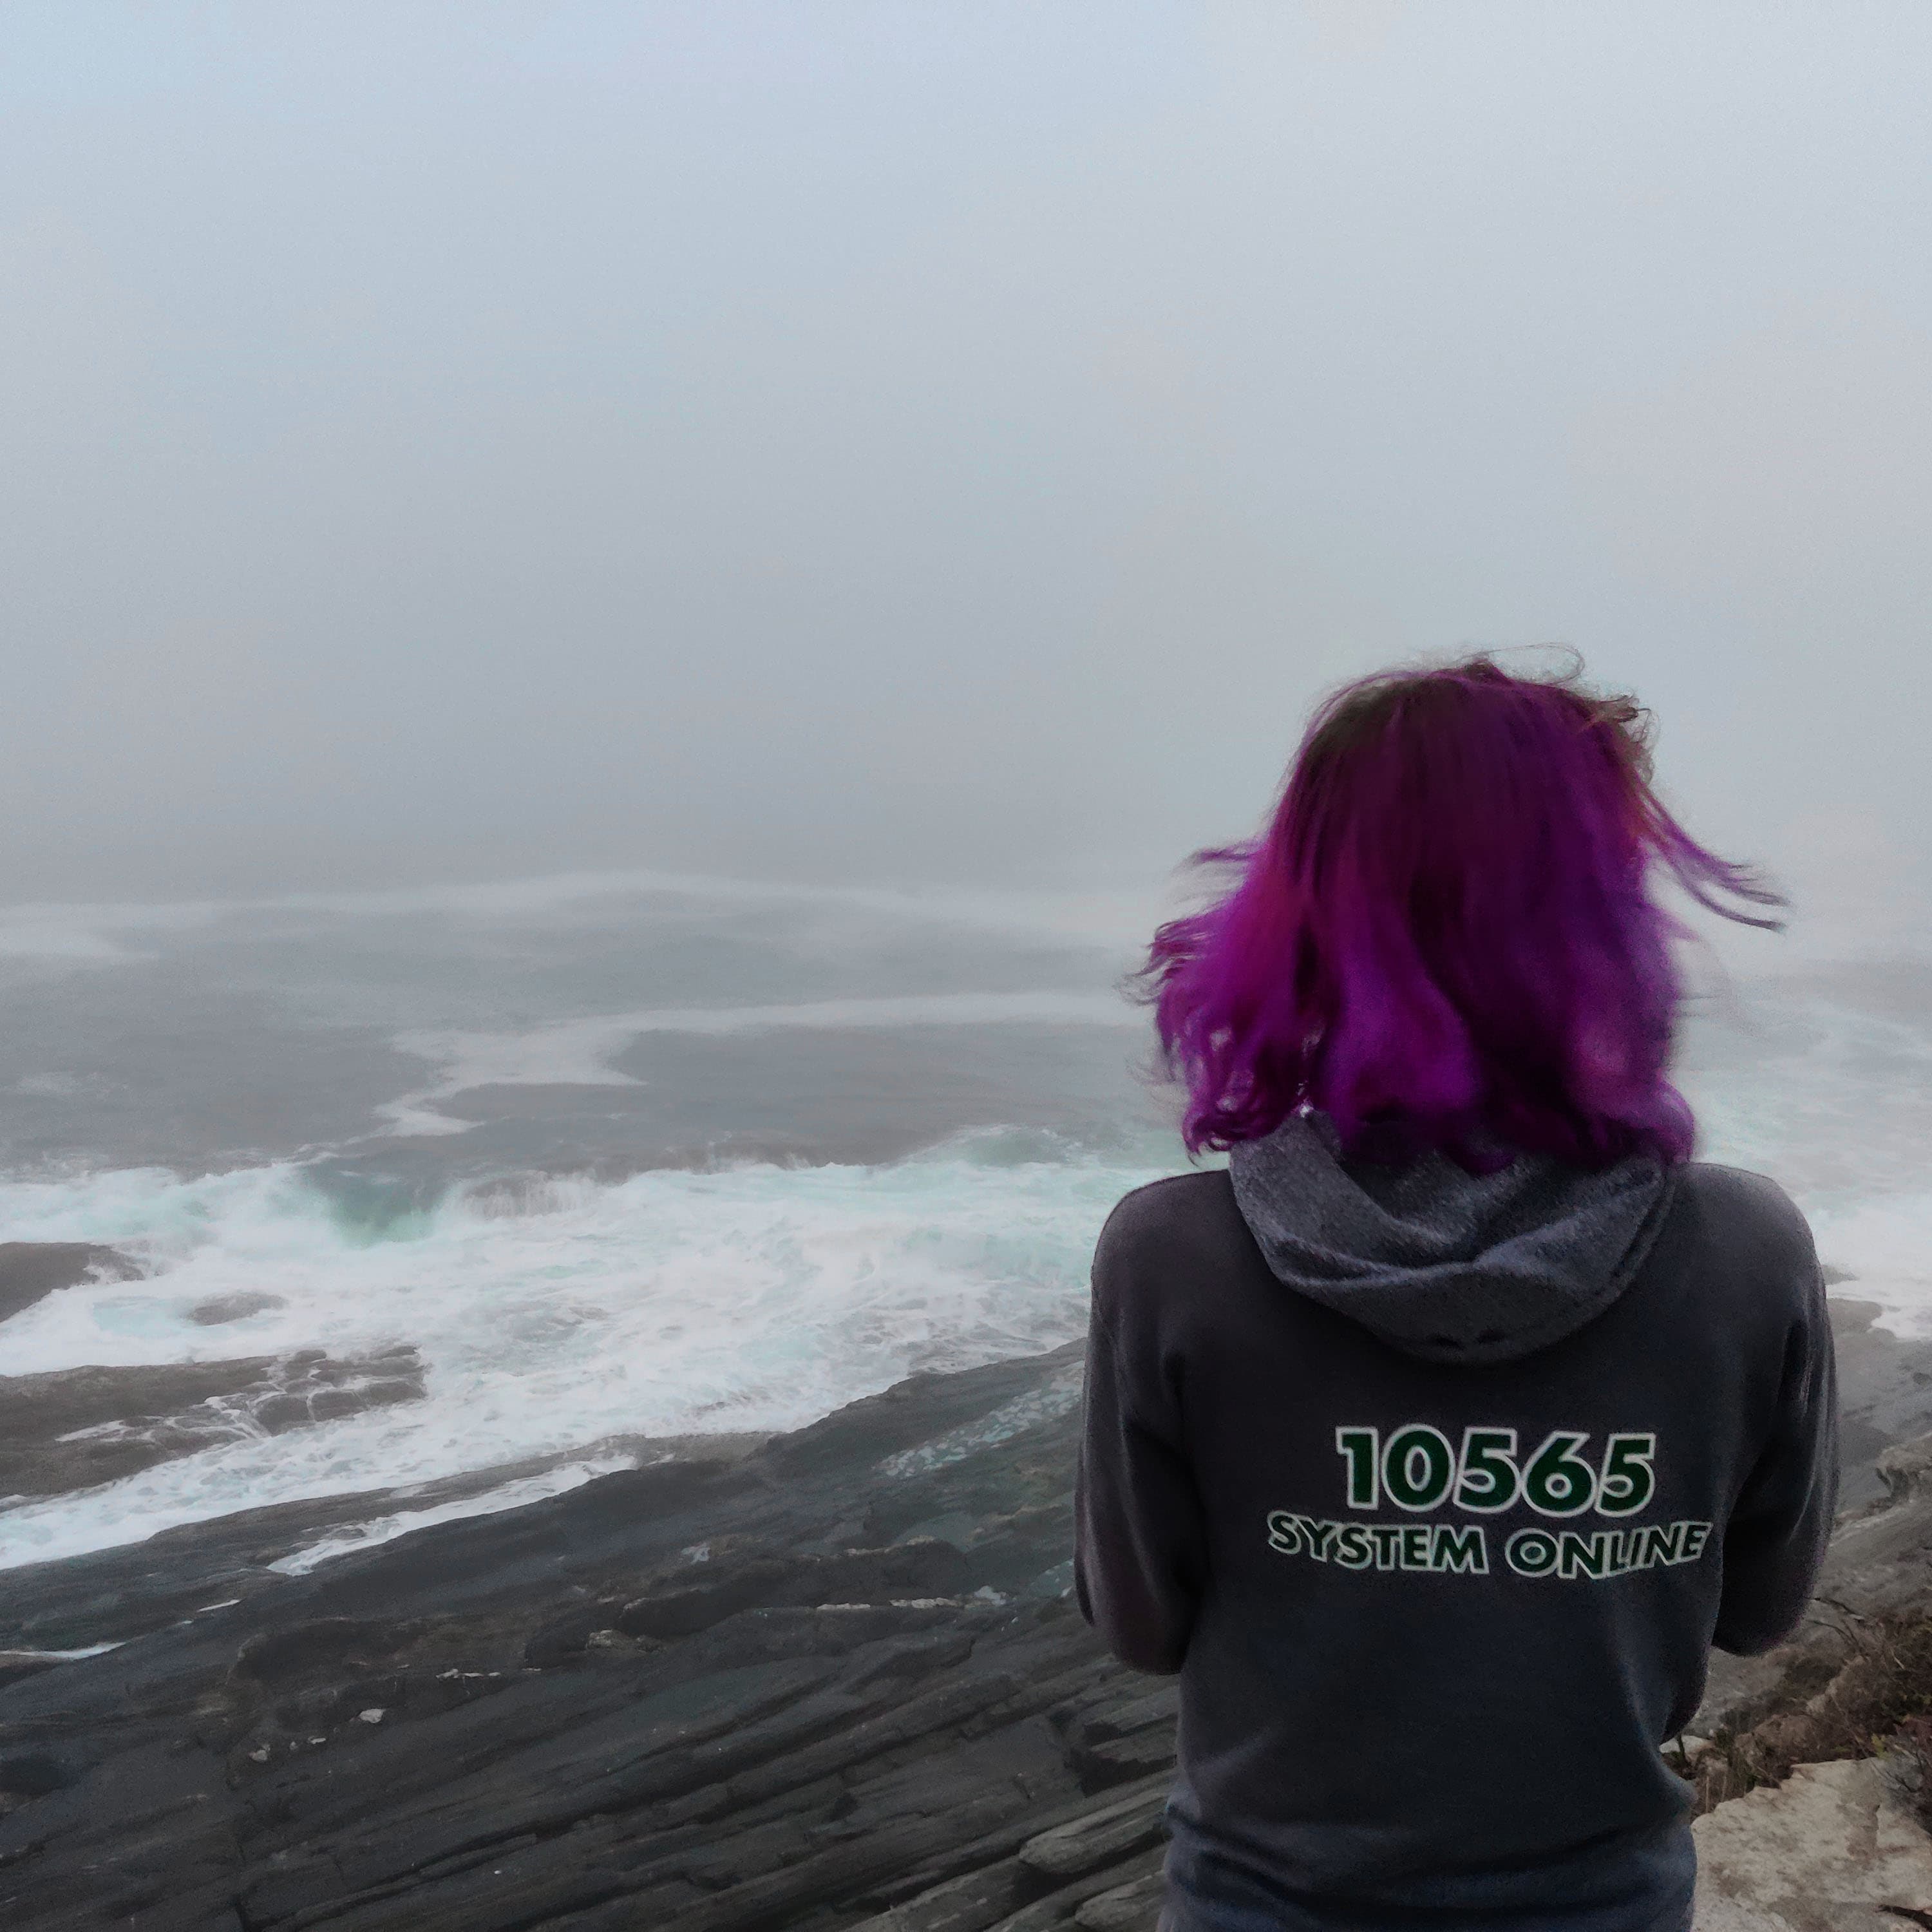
<point>1879,1698</point>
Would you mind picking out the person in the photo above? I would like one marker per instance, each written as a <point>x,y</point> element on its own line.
<point>1435,1439</point>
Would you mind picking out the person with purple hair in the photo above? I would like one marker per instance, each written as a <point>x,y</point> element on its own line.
<point>1435,1440</point>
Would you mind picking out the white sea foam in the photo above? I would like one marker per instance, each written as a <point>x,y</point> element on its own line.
<point>104,933</point>
<point>553,1482</point>
<point>554,1317</point>
<point>557,1314</point>
<point>1886,1247</point>
<point>1834,1102</point>
<point>93,935</point>
<point>576,1053</point>
<point>1110,918</point>
<point>1833,920</point>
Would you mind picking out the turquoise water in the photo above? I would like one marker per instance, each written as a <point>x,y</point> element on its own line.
<point>628,1157</point>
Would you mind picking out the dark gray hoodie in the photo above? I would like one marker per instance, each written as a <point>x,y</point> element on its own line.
<point>1436,1490</point>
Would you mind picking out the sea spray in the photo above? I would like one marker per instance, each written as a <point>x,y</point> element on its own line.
<point>554,1312</point>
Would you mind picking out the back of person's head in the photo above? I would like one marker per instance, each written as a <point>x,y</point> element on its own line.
<point>1445,937</point>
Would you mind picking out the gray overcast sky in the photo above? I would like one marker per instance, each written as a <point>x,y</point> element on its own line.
<point>957,439</point>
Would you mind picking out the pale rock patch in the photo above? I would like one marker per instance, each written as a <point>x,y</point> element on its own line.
<point>1834,1848</point>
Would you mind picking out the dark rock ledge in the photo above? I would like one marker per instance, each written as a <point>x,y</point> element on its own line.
<point>829,1681</point>
<point>71,1428</point>
<point>31,1270</point>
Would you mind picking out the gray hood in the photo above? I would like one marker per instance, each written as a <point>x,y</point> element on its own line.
<point>1443,1263</point>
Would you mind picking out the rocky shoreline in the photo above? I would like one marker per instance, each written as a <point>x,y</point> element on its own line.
<point>831,1680</point>
<point>31,1271</point>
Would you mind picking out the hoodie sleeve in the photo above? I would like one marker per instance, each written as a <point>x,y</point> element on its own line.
<point>1774,1542</point>
<point>1138,1560</point>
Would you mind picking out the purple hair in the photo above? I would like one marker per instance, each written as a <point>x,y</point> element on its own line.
<point>1445,938</point>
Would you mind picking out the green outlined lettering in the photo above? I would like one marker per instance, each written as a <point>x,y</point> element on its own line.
<point>1629,1478</point>
<point>1418,1466</point>
<point>1583,1553</point>
<point>1660,1543</point>
<point>1462,1550</point>
<point>1487,1479</point>
<point>1428,1547</point>
<point>1359,1447</point>
<point>1530,1553</point>
<point>1558,1481</point>
<point>1352,1548</point>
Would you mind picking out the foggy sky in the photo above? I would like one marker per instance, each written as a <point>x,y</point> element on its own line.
<point>948,439</point>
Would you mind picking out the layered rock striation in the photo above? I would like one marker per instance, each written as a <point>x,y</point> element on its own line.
<point>73,1429</point>
<point>830,1681</point>
<point>31,1270</point>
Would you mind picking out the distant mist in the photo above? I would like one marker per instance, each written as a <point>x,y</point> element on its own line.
<point>868,442</point>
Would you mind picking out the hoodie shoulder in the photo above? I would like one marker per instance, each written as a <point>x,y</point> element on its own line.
<point>1749,1231</point>
<point>1179,1227</point>
<point>1747,1206</point>
<point>1178,1210</point>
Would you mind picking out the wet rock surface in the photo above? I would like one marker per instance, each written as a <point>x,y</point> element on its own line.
<point>1886,1386</point>
<point>72,1428</point>
<point>746,1686</point>
<point>830,1681</point>
<point>31,1270</point>
<point>222,1309</point>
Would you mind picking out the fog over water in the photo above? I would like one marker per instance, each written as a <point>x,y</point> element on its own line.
<point>616,615</point>
<point>865,442</point>
<point>622,1156</point>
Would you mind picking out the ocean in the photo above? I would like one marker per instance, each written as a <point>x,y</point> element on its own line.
<point>625,1156</point>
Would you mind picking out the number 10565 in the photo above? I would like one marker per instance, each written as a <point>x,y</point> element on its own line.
<point>1417,1467</point>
